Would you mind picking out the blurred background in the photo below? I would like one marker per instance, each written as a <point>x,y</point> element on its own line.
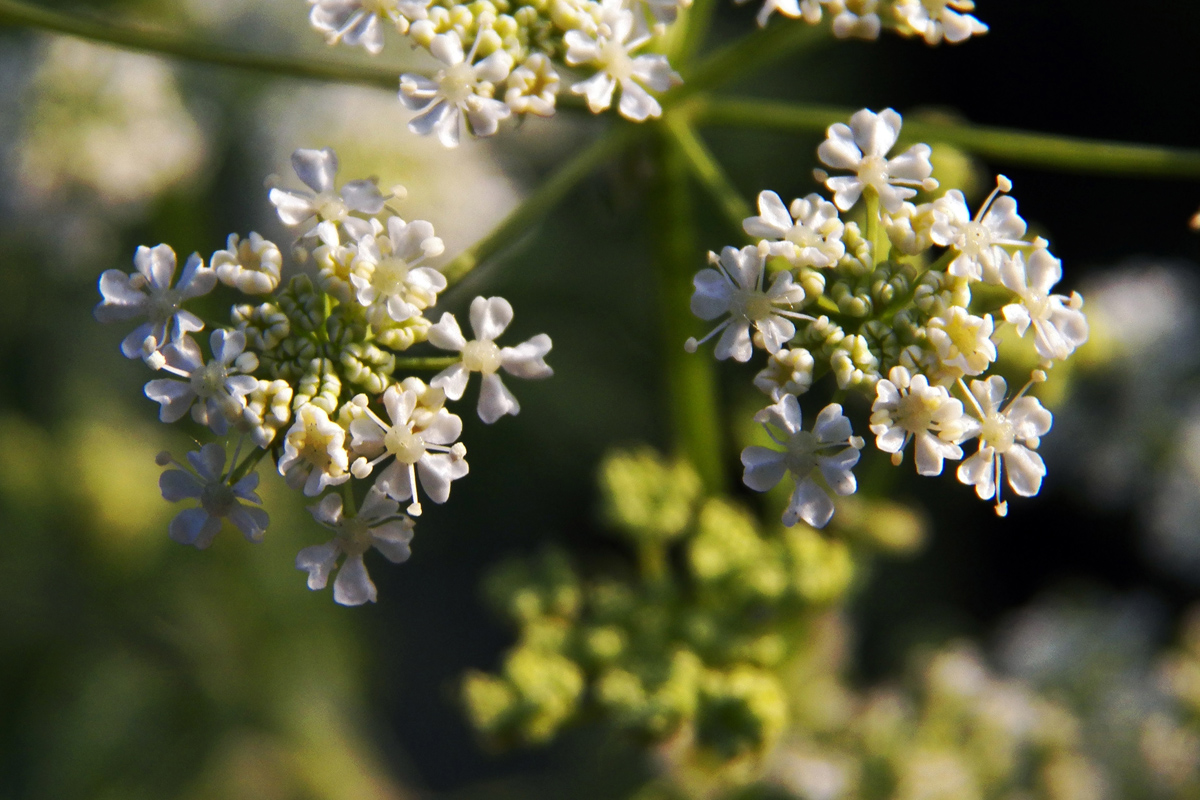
<point>133,667</point>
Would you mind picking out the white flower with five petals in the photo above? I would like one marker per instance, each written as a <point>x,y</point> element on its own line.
<point>830,448</point>
<point>214,390</point>
<point>387,276</point>
<point>1008,438</point>
<point>809,234</point>
<point>1059,325</point>
<point>317,169</point>
<point>735,288</point>
<point>459,95</point>
<point>149,293</point>
<point>207,481</point>
<point>423,444</point>
<point>490,316</point>
<point>962,342</point>
<point>906,407</point>
<point>314,452</point>
<point>862,147</point>
<point>979,241</point>
<point>610,53</point>
<point>377,525</point>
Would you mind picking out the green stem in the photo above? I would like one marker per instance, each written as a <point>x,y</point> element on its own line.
<point>17,13</point>
<point>427,362</point>
<point>751,52</point>
<point>248,463</point>
<point>691,377</point>
<point>1018,147</point>
<point>547,195</point>
<point>706,169</point>
<point>349,506</point>
<point>694,24</point>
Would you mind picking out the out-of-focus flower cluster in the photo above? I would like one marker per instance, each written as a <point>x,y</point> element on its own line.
<point>499,59</point>
<point>715,650</point>
<point>908,308</point>
<point>312,372</point>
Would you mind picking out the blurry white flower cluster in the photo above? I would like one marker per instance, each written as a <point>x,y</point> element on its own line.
<point>316,374</point>
<point>892,317</point>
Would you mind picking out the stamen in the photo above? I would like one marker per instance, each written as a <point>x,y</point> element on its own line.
<point>415,507</point>
<point>691,344</point>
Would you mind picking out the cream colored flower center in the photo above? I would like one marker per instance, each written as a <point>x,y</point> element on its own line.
<point>457,83</point>
<point>209,379</point>
<point>355,536</point>
<point>330,206</point>
<point>481,356</point>
<point>381,8</point>
<point>164,303</point>
<point>406,446</point>
<point>615,60</point>
<point>873,172</point>
<point>751,304</point>
<point>315,447</point>
<point>802,236</point>
<point>914,413</point>
<point>801,456</point>
<point>998,432</point>
<point>390,276</point>
<point>218,499</point>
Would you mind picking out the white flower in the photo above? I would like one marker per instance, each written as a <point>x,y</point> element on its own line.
<point>148,293</point>
<point>807,235</point>
<point>386,274</point>
<point>802,453</point>
<point>314,452</point>
<point>787,372</point>
<point>422,443</point>
<point>360,22</point>
<point>1007,437</point>
<point>610,53</point>
<point>216,384</point>
<point>862,147</point>
<point>318,169</point>
<point>532,87</point>
<point>460,94</point>
<point>978,241</point>
<point>907,407</point>
<point>809,10</point>
<point>252,266</point>
<point>268,408</point>
<point>735,288</point>
<point>489,318</point>
<point>855,18</point>
<point>218,499</point>
<point>377,525</point>
<point>1059,325</point>
<point>938,19</point>
<point>963,342</point>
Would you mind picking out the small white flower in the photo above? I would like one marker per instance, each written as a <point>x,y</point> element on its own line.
<point>1007,437</point>
<point>735,288</point>
<point>938,19</point>
<point>532,87</point>
<point>963,342</point>
<point>219,500</point>
<point>217,384</point>
<point>387,275</point>
<point>489,318</point>
<point>978,241</point>
<point>855,18</point>
<point>422,443</point>
<point>317,169</point>
<point>148,293</point>
<point>830,447</point>
<point>252,266</point>
<point>862,147</point>
<point>1059,325</point>
<point>787,372</point>
<point>360,22</point>
<point>907,407</point>
<point>377,525</point>
<point>314,452</point>
<point>461,94</point>
<point>610,53</point>
<point>809,234</point>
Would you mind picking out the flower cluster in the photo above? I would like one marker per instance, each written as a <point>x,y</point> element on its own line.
<point>499,60</point>
<point>313,372</point>
<point>933,20</point>
<point>901,312</point>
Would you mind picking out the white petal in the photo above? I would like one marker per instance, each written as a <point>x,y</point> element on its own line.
<point>452,380</point>
<point>810,503</point>
<point>176,485</point>
<point>527,360</point>
<point>352,586</point>
<point>447,335</point>
<point>1025,470</point>
<point>495,400</point>
<point>764,467</point>
<point>194,526</point>
<point>318,560</point>
<point>489,317</point>
<point>836,469</point>
<point>252,522</point>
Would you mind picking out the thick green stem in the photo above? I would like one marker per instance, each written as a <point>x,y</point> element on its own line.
<point>1017,147</point>
<point>706,170</point>
<point>547,195</point>
<point>16,13</point>
<point>249,463</point>
<point>691,379</point>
